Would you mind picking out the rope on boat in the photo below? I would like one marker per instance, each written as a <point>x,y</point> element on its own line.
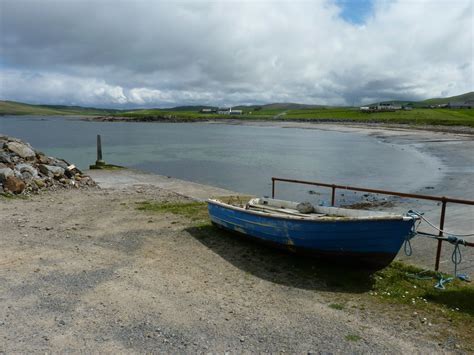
<point>407,247</point>
<point>407,244</point>
<point>418,214</point>
<point>456,257</point>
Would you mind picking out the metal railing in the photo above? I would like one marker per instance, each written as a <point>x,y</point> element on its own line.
<point>444,200</point>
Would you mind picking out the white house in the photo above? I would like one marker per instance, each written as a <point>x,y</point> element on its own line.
<point>229,111</point>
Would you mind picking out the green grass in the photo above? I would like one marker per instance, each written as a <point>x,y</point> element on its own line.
<point>419,116</point>
<point>9,196</point>
<point>337,306</point>
<point>352,337</point>
<point>445,117</point>
<point>405,284</point>
<point>106,167</point>
<point>196,212</point>
<point>17,108</point>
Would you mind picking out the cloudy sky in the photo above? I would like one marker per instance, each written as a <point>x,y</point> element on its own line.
<point>124,53</point>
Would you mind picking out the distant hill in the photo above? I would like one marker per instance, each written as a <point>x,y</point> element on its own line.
<point>18,108</point>
<point>188,108</point>
<point>440,101</point>
<point>436,101</point>
<point>396,102</point>
<point>272,106</point>
<point>289,106</point>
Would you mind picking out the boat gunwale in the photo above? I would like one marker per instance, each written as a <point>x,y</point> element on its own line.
<point>325,219</point>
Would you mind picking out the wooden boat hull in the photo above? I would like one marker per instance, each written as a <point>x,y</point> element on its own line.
<point>371,242</point>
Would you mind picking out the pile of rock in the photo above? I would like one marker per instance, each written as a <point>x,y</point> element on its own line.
<point>24,170</point>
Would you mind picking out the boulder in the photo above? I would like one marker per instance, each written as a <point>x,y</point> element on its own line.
<point>5,158</point>
<point>27,172</point>
<point>21,150</point>
<point>13,184</point>
<point>43,159</point>
<point>5,173</point>
<point>50,170</point>
<point>59,162</point>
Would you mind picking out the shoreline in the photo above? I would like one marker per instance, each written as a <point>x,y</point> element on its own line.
<point>453,151</point>
<point>297,123</point>
<point>424,250</point>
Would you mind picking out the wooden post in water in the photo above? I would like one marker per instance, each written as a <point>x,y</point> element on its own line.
<point>99,160</point>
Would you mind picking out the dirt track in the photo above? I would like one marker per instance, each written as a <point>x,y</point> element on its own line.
<point>86,271</point>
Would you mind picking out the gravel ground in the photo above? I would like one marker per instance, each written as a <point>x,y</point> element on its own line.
<point>83,270</point>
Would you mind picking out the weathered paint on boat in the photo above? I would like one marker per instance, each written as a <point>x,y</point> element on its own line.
<point>372,241</point>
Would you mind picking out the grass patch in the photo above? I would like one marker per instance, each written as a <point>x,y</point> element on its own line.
<point>444,117</point>
<point>412,286</point>
<point>352,337</point>
<point>196,212</point>
<point>337,306</point>
<point>412,290</point>
<point>8,196</point>
<point>106,167</point>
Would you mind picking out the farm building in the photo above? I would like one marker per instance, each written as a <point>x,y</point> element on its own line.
<point>229,111</point>
<point>457,105</point>
<point>380,107</point>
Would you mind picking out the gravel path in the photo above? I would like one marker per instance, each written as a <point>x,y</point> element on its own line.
<point>85,271</point>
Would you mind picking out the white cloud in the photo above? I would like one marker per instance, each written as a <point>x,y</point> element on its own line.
<point>162,53</point>
<point>59,89</point>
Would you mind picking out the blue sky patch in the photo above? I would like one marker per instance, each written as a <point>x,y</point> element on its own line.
<point>355,11</point>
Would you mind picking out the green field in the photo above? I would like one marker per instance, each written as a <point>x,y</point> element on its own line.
<point>420,116</point>
<point>17,108</point>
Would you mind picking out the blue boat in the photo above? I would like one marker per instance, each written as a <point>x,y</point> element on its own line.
<point>345,235</point>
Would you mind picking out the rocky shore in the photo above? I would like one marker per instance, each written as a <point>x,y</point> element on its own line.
<point>24,170</point>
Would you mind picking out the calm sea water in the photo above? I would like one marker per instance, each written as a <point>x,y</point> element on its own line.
<point>236,157</point>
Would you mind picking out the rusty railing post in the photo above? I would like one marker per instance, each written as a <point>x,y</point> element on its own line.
<point>441,227</point>
<point>333,195</point>
<point>273,187</point>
